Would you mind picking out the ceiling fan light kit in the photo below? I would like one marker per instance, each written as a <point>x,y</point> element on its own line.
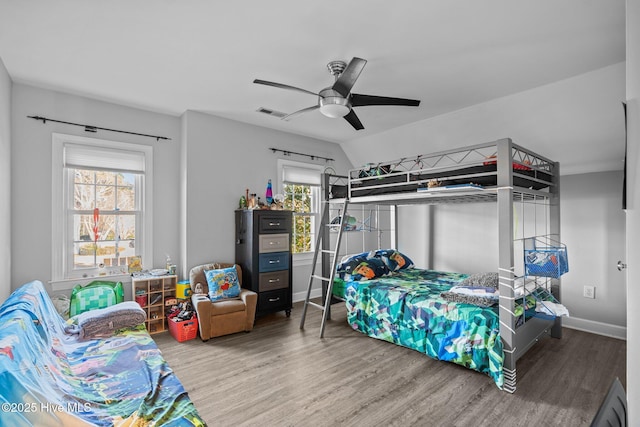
<point>337,101</point>
<point>332,104</point>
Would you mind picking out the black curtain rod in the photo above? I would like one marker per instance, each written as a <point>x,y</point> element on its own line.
<point>313,157</point>
<point>90,128</point>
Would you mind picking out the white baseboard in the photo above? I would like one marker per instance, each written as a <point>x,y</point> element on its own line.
<point>594,327</point>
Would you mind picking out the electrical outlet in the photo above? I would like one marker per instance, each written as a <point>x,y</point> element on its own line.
<point>589,292</point>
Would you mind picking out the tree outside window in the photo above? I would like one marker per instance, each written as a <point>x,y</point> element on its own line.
<point>299,199</point>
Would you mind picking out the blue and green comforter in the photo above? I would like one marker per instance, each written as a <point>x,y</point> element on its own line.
<point>406,308</point>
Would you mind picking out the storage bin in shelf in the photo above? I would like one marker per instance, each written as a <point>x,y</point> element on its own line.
<point>543,296</point>
<point>546,260</point>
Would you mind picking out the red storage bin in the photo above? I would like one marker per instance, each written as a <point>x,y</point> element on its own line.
<point>142,300</point>
<point>184,330</point>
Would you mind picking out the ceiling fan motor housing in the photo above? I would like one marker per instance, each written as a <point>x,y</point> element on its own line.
<point>333,104</point>
<point>336,68</point>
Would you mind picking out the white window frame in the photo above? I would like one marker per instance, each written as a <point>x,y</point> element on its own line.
<point>304,258</point>
<point>61,186</point>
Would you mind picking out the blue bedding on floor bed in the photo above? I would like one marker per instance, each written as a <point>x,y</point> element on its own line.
<point>48,377</point>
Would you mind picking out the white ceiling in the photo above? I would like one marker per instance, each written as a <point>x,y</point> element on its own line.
<point>171,56</point>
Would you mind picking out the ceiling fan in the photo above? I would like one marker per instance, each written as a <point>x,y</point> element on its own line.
<point>337,100</point>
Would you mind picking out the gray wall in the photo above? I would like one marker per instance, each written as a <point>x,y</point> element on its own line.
<point>593,227</point>
<point>464,238</point>
<point>549,120</point>
<point>5,183</point>
<point>199,176</point>
<point>31,171</point>
<point>440,243</point>
<point>224,158</point>
<point>202,172</point>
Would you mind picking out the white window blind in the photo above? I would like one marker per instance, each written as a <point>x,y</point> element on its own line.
<point>102,158</point>
<point>300,175</point>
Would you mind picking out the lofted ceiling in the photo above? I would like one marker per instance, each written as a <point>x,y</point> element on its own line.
<point>171,56</point>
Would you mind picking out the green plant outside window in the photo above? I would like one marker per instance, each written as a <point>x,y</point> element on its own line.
<point>299,199</point>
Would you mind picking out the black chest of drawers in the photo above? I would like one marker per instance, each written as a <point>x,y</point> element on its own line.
<point>263,250</point>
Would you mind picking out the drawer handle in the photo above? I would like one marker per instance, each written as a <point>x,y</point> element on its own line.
<point>274,261</point>
<point>274,280</point>
<point>274,299</point>
<point>274,224</point>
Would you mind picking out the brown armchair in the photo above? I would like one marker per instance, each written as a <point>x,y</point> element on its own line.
<point>221,317</point>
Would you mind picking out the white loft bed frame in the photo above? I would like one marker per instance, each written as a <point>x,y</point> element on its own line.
<point>406,174</point>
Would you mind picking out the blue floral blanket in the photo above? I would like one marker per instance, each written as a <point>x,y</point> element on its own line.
<point>51,378</point>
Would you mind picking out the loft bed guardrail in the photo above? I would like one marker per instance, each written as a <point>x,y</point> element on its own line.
<point>478,165</point>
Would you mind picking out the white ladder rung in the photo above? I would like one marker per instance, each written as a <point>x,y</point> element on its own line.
<point>316,305</point>
<point>315,276</point>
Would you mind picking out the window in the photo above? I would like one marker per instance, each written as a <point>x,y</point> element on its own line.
<point>104,216</point>
<point>100,190</point>
<point>299,199</point>
<point>300,183</point>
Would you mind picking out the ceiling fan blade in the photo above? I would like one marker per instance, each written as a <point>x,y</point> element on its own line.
<point>358,100</point>
<point>283,86</point>
<point>297,113</point>
<point>348,78</point>
<point>353,120</point>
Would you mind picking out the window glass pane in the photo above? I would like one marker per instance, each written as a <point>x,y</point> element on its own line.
<point>83,228</point>
<point>126,195</point>
<point>105,178</point>
<point>104,190</point>
<point>105,197</point>
<point>83,176</point>
<point>298,197</point>
<point>116,234</point>
<point>91,255</point>
<point>83,196</point>
<point>127,228</point>
<point>302,226</point>
<point>84,255</point>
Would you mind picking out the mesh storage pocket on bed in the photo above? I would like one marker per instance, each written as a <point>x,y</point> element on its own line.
<point>546,262</point>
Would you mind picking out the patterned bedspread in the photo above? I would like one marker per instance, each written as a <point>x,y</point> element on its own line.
<point>50,378</point>
<point>405,308</point>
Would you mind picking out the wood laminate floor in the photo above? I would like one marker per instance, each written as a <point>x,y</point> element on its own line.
<point>280,375</point>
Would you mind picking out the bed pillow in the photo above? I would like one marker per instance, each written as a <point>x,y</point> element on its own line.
<point>394,260</point>
<point>348,258</point>
<point>366,270</point>
<point>361,267</point>
<point>223,283</point>
<point>485,280</point>
<point>348,262</point>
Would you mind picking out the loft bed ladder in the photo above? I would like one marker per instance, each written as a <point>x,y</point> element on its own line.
<point>321,248</point>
